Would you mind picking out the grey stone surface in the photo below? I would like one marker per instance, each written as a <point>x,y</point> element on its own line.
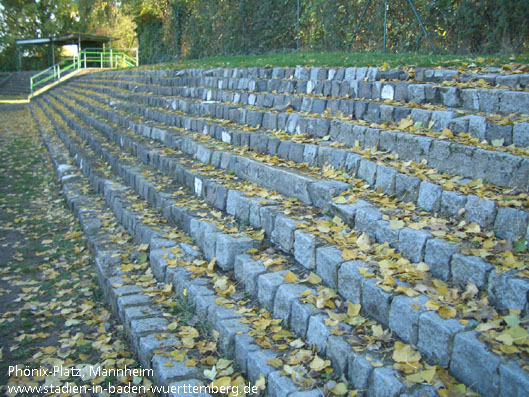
<point>148,344</point>
<point>359,370</point>
<point>163,374</point>
<point>268,216</point>
<point>384,233</point>
<point>217,314</point>
<point>437,255</point>
<point>451,203</point>
<point>322,192</point>
<point>283,234</point>
<point>376,302</point>
<point>299,317</point>
<point>203,304</point>
<point>507,291</point>
<point>179,277</point>
<point>412,243</point>
<point>305,245</point>
<point>474,364</point>
<point>469,269</point>
<point>421,391</point>
<point>280,385</point>
<point>247,272</point>
<point>244,346</point>
<point>338,351</point>
<point>477,126</point>
<point>137,312</point>
<point>384,382</point>
<point>497,131</point>
<point>416,93</point>
<point>407,187</point>
<point>511,223</point>
<point>366,219</point>
<point>145,326</point>
<point>210,245</point>
<point>514,102</point>
<point>450,96</point>
<point>123,302</point>
<point>255,214</point>
<point>514,381</point>
<point>232,201</point>
<point>520,134</point>
<point>307,393</point>
<point>228,329</point>
<point>348,211</point>
<point>386,179</point>
<point>436,335</point>
<point>229,246</point>
<point>367,171</point>
<point>242,209</point>
<point>159,243</point>
<point>429,196</point>
<point>318,332</point>
<point>328,259</point>
<point>350,281</point>
<point>257,364</point>
<point>404,317</point>
<point>480,210</point>
<point>268,284</point>
<point>159,263</point>
<point>285,295</point>
<point>352,162</point>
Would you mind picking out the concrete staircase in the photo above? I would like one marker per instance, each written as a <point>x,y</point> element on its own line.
<point>17,84</point>
<point>381,216</point>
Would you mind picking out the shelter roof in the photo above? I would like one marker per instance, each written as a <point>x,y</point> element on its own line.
<point>67,38</point>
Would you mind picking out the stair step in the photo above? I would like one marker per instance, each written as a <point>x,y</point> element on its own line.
<point>431,193</point>
<point>497,165</point>
<point>224,323</point>
<point>135,139</point>
<point>430,253</point>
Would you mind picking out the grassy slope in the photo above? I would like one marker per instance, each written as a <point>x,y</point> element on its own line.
<point>340,59</point>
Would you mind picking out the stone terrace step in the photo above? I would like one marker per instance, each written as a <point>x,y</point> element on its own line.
<point>18,83</point>
<point>234,340</point>
<point>384,376</point>
<point>508,222</point>
<point>495,166</point>
<point>429,250</point>
<point>342,265</point>
<point>385,108</point>
<point>132,302</point>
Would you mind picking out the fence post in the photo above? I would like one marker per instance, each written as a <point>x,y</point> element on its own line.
<point>58,72</point>
<point>85,59</point>
<point>111,63</point>
<point>101,60</point>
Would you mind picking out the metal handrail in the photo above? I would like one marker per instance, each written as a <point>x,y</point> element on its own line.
<point>86,58</point>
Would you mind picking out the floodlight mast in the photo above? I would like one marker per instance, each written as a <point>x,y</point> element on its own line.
<point>386,8</point>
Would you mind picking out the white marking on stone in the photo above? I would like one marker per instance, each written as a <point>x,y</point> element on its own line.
<point>198,187</point>
<point>388,92</point>
<point>226,137</point>
<point>310,86</point>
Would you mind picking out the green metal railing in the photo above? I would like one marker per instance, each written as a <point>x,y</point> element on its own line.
<point>88,58</point>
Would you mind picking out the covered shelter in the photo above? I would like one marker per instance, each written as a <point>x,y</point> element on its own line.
<point>81,40</point>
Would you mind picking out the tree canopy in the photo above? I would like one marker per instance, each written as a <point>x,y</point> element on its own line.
<point>44,18</point>
<point>170,29</point>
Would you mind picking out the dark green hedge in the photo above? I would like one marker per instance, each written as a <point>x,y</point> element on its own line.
<point>169,29</point>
